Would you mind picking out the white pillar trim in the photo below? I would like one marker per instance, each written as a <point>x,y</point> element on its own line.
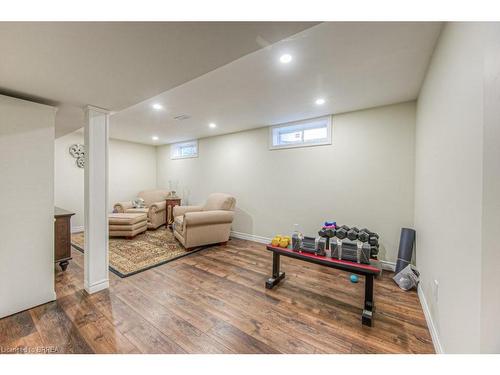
<point>96,199</point>
<point>96,109</point>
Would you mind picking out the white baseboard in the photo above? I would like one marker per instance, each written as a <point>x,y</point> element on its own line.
<point>430,323</point>
<point>250,237</point>
<point>96,287</point>
<point>77,229</point>
<point>388,266</point>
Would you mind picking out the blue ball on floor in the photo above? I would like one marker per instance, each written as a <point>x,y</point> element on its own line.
<point>354,279</point>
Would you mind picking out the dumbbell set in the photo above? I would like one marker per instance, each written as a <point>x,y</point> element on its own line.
<point>364,245</point>
<point>352,244</point>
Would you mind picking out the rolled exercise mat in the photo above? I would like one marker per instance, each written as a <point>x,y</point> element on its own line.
<point>405,252</point>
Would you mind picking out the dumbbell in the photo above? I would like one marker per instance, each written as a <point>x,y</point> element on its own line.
<point>352,234</point>
<point>372,234</point>
<point>327,232</point>
<point>341,232</point>
<point>366,235</point>
<point>363,236</point>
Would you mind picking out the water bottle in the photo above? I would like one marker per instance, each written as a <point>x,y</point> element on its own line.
<point>296,238</point>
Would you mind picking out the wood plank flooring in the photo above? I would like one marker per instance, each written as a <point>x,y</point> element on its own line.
<point>215,301</point>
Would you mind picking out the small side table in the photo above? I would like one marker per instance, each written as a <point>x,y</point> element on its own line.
<point>171,203</point>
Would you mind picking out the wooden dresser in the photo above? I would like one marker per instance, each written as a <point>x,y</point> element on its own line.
<point>62,237</point>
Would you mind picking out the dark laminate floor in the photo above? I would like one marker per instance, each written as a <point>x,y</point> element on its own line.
<point>215,301</point>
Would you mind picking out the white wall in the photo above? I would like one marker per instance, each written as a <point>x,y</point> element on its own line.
<point>132,168</point>
<point>27,214</point>
<point>452,196</point>
<point>365,178</point>
<point>69,178</point>
<point>490,292</point>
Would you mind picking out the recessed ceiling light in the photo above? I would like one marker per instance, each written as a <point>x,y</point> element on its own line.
<point>320,101</point>
<point>157,106</point>
<point>212,125</point>
<point>155,138</point>
<point>286,58</point>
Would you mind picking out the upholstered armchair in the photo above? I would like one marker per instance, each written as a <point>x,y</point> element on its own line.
<point>155,206</point>
<point>207,224</point>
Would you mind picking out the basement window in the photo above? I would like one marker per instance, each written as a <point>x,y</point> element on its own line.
<point>184,150</point>
<point>312,132</point>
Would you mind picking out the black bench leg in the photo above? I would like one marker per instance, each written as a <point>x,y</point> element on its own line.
<point>277,275</point>
<point>369,309</point>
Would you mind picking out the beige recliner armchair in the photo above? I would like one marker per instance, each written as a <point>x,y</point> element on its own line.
<point>154,200</point>
<point>204,225</point>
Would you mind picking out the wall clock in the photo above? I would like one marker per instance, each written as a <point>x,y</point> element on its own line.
<point>78,152</point>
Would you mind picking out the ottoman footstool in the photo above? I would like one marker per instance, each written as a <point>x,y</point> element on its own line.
<point>127,224</point>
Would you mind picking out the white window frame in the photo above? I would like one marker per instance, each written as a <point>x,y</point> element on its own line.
<point>177,145</point>
<point>327,141</point>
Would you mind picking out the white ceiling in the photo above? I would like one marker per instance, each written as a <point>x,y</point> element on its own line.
<point>114,65</point>
<point>352,65</point>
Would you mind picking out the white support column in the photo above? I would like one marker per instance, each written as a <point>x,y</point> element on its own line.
<point>96,200</point>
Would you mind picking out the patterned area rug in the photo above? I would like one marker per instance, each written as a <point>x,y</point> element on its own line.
<point>146,250</point>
